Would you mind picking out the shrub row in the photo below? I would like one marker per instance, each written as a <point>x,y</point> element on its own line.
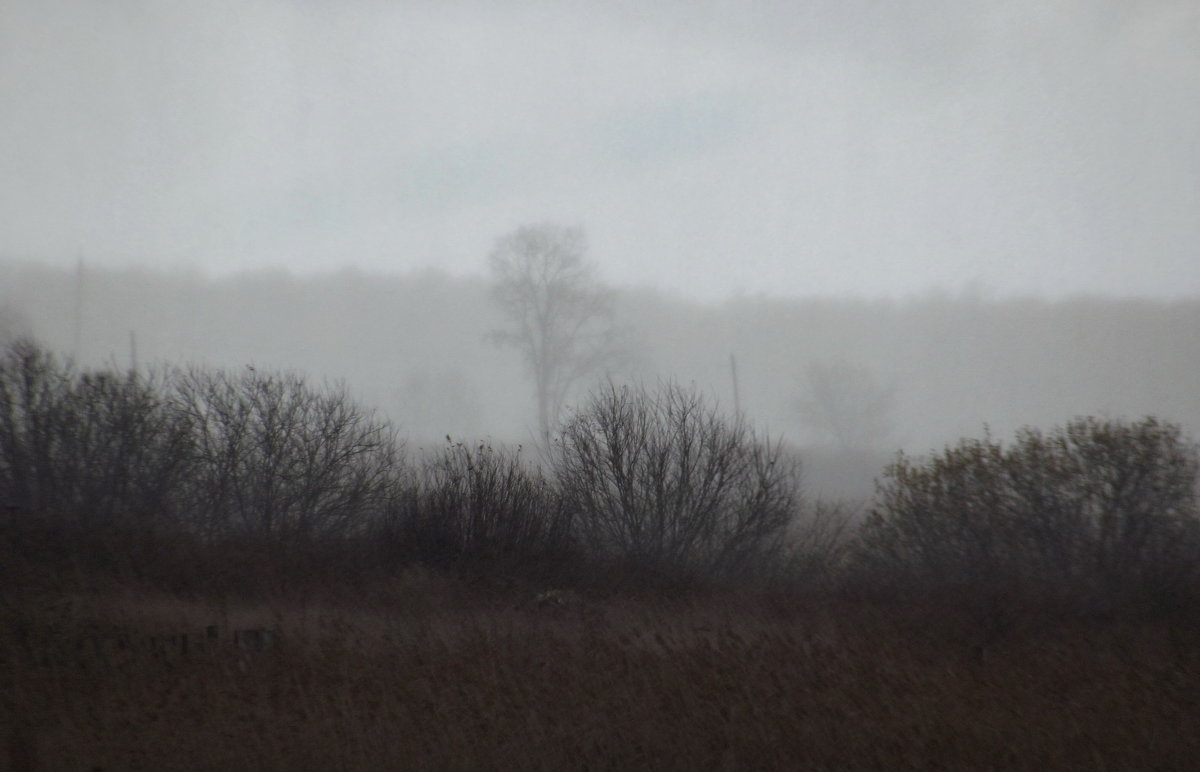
<point>93,462</point>
<point>121,470</point>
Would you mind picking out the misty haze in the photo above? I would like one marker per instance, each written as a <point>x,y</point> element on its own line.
<point>417,348</point>
<point>911,190</point>
<point>601,300</point>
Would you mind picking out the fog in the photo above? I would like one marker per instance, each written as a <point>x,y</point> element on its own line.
<point>826,148</point>
<point>416,347</point>
<point>976,213</point>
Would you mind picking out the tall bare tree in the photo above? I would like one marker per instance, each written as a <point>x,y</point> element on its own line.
<point>559,316</point>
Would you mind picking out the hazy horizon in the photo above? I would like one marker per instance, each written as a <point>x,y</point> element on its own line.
<point>972,290</point>
<point>419,344</point>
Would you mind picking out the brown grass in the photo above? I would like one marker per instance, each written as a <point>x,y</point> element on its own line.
<point>422,678</point>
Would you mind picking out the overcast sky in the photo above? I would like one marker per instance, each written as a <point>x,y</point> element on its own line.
<point>718,146</point>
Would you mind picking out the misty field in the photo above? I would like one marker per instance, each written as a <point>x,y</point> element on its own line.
<point>430,676</point>
<point>599,386</point>
<point>235,570</point>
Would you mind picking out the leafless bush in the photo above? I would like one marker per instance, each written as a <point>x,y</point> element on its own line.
<point>478,508</point>
<point>662,481</point>
<point>276,460</point>
<point>33,388</point>
<point>85,454</point>
<point>1100,507</point>
<point>131,445</point>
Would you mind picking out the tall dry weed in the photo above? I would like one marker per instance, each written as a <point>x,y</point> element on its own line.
<point>672,684</point>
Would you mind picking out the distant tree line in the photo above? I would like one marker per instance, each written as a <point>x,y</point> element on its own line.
<point>256,476</point>
<point>950,362</point>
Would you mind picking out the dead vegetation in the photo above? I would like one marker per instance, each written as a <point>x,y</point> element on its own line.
<point>719,682</point>
<point>1033,605</point>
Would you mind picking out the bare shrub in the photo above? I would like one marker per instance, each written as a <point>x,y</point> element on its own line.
<point>478,508</point>
<point>276,460</point>
<point>131,446</point>
<point>86,456</point>
<point>664,482</point>
<point>1100,507</point>
<point>34,386</point>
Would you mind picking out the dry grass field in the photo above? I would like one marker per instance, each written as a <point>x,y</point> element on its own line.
<point>237,571</point>
<point>424,675</point>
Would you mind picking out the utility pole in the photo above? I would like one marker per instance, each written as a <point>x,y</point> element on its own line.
<point>77,332</point>
<point>737,402</point>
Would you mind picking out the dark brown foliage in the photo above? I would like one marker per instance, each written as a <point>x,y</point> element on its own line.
<point>1101,511</point>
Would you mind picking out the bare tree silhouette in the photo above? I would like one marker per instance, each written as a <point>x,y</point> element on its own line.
<point>559,316</point>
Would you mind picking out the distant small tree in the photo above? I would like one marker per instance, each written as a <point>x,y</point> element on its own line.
<point>559,316</point>
<point>846,404</point>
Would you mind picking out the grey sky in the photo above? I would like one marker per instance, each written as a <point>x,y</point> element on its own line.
<point>792,148</point>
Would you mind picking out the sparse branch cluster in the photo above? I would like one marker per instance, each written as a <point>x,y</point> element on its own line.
<point>98,457</point>
<point>663,480</point>
<point>273,458</point>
